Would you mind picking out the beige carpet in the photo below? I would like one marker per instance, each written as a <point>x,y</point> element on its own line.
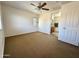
<point>38,45</point>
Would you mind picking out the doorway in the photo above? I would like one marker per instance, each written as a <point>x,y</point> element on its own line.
<point>55,22</point>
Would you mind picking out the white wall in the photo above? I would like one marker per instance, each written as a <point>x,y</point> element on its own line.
<point>45,23</point>
<point>1,37</point>
<point>45,20</point>
<point>1,43</point>
<point>17,21</point>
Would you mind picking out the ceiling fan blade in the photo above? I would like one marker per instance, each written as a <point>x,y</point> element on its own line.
<point>45,9</point>
<point>39,3</point>
<point>43,5</point>
<point>33,4</point>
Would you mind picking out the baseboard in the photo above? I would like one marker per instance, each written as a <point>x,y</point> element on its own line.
<point>44,32</point>
<point>27,34</point>
<point>69,44</point>
<point>20,34</point>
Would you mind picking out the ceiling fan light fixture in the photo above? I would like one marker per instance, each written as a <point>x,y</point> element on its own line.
<point>40,6</point>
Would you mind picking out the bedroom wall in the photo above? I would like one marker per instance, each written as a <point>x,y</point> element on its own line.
<point>17,21</point>
<point>45,23</point>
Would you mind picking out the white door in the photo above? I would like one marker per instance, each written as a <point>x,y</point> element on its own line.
<point>69,23</point>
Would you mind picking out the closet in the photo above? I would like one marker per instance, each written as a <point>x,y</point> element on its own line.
<point>69,24</point>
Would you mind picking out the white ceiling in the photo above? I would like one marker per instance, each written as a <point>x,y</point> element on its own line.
<point>25,5</point>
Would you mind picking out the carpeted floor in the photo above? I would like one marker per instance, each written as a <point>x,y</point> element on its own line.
<point>38,45</point>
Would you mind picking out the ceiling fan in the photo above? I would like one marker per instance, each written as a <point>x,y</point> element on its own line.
<point>41,6</point>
